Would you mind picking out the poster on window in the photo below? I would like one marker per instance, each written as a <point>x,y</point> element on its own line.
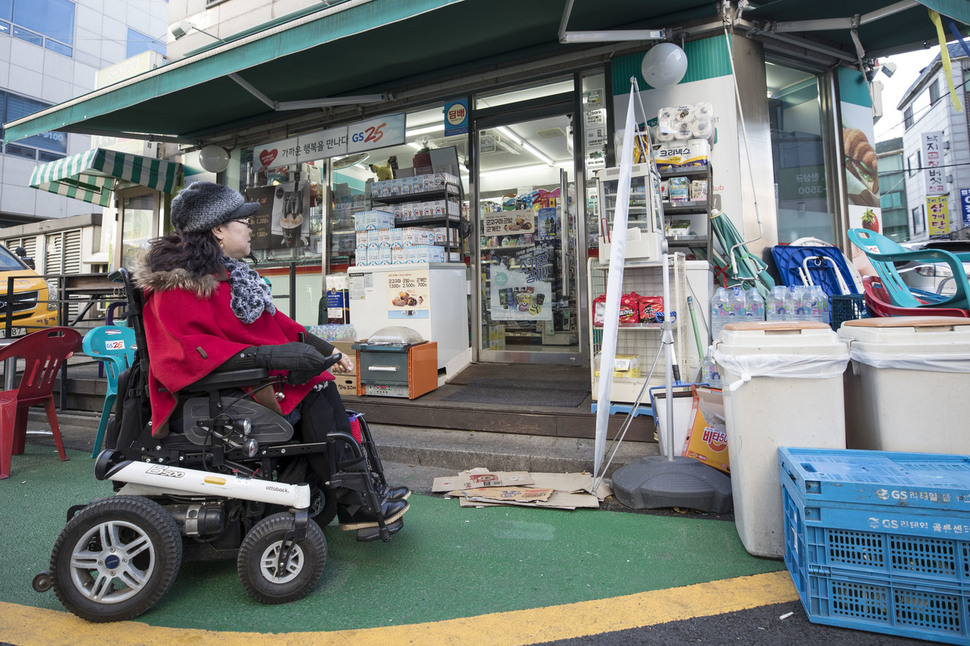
<point>518,296</point>
<point>408,295</point>
<point>262,221</point>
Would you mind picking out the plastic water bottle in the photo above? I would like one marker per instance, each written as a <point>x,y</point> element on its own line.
<point>775,309</point>
<point>819,305</point>
<point>720,311</point>
<point>754,309</point>
<point>709,373</point>
<point>797,307</point>
<point>738,305</point>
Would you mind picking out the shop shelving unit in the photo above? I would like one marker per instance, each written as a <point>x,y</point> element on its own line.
<point>452,195</point>
<point>644,340</point>
<point>697,213</point>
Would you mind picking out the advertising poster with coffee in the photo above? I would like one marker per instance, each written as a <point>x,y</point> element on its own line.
<point>291,211</point>
<point>262,237</point>
<point>408,295</point>
<point>519,296</point>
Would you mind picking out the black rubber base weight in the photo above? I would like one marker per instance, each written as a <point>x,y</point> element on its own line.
<point>656,482</point>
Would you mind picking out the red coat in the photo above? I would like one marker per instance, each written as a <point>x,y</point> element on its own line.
<point>190,335</point>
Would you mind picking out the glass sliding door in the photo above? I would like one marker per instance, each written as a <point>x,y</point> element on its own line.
<point>529,255</point>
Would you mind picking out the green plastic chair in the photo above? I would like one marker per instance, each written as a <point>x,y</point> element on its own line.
<point>114,347</point>
<point>883,253</point>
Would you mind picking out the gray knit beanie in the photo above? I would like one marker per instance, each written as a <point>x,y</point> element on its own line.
<point>201,206</point>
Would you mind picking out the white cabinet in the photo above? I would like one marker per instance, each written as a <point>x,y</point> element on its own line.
<point>426,297</point>
<point>643,340</point>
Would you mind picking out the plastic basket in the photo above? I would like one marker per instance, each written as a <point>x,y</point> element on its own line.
<point>879,541</point>
<point>847,307</point>
<point>878,581</point>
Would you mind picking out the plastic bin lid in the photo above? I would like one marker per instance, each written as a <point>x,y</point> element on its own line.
<point>912,335</point>
<point>780,337</point>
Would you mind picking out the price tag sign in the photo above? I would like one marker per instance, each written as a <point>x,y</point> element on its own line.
<point>376,133</point>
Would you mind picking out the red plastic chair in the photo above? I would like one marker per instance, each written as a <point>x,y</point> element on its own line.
<point>43,352</point>
<point>879,303</point>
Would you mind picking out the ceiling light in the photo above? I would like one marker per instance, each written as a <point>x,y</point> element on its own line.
<point>424,130</point>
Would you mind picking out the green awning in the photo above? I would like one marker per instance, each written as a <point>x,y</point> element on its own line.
<point>395,46</point>
<point>92,176</point>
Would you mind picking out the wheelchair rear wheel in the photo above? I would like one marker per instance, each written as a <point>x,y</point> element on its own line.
<point>258,561</point>
<point>116,558</point>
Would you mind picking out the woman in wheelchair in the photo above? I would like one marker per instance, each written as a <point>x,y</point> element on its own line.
<point>207,310</point>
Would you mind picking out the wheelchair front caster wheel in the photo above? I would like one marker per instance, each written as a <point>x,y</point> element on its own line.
<point>42,582</point>
<point>258,563</point>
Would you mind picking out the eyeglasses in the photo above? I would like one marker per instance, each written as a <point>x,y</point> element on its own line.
<point>245,221</point>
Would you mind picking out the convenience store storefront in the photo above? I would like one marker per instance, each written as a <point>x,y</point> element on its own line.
<point>542,85</point>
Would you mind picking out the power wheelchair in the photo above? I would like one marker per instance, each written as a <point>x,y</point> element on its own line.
<point>233,484</point>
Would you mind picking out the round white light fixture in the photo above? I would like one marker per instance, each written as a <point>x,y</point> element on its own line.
<point>214,158</point>
<point>664,65</point>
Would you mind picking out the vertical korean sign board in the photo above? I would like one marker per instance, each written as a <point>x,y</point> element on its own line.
<point>937,215</point>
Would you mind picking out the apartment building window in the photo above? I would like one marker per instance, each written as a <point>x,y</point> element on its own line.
<point>918,225</point>
<point>935,91</point>
<point>46,146</point>
<point>912,163</point>
<point>45,23</point>
<point>908,118</point>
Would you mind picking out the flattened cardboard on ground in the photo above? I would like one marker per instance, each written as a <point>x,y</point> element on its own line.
<point>481,477</point>
<point>572,490</point>
<point>507,494</point>
<point>558,500</point>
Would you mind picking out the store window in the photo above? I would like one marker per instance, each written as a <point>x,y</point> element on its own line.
<point>45,23</point>
<point>306,229</point>
<point>46,146</point>
<point>798,155</point>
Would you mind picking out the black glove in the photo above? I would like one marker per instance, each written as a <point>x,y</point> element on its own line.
<point>302,361</point>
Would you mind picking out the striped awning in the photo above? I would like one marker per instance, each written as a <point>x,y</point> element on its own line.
<point>92,176</point>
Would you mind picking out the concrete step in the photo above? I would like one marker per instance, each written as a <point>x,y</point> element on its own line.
<point>428,447</point>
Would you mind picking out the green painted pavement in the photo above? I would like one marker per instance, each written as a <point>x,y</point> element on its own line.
<point>446,563</point>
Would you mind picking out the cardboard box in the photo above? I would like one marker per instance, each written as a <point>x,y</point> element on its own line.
<point>346,382</point>
<point>708,436</point>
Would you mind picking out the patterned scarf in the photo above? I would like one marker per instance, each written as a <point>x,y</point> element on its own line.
<point>250,295</point>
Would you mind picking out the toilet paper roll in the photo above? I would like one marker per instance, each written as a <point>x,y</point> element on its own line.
<point>704,110</point>
<point>684,113</point>
<point>701,129</point>
<point>665,114</point>
<point>664,135</point>
<point>682,135</point>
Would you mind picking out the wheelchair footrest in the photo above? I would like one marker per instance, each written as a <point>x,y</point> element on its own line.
<point>373,533</point>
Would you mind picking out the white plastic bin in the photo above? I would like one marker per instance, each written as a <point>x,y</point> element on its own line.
<point>782,386</point>
<point>908,388</point>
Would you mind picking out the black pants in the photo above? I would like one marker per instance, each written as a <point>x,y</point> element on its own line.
<point>322,412</point>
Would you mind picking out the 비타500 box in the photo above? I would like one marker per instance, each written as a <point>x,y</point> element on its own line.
<point>880,541</point>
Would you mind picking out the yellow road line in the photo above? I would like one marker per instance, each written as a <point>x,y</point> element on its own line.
<point>27,626</point>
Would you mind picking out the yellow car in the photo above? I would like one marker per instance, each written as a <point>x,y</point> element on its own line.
<point>30,304</point>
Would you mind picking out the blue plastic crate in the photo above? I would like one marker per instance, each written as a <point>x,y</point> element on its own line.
<point>911,480</point>
<point>877,580</point>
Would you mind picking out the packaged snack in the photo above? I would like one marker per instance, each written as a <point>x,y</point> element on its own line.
<point>698,190</point>
<point>629,309</point>
<point>679,189</point>
<point>650,307</point>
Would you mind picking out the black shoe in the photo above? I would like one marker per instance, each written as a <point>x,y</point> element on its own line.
<point>391,510</point>
<point>396,493</point>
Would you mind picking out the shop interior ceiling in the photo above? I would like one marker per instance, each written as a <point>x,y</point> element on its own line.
<point>392,47</point>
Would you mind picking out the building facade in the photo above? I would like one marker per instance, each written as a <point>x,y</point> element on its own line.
<point>936,145</point>
<point>51,51</point>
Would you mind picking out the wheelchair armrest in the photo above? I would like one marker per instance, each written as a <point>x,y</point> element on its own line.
<point>228,379</point>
